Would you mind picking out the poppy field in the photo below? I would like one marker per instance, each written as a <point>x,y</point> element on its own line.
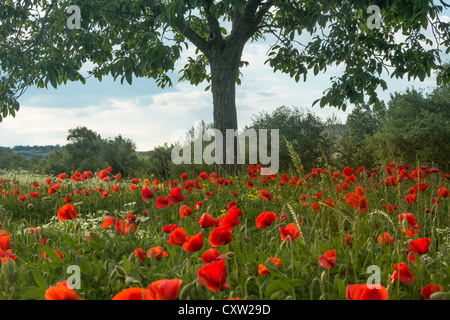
<point>352,234</point>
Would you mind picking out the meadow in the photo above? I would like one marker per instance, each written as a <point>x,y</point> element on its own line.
<point>352,234</point>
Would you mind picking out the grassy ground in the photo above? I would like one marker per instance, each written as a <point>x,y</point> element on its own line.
<point>314,202</point>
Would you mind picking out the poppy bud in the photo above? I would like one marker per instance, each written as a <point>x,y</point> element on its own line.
<point>78,226</point>
<point>438,295</point>
<point>120,271</point>
<point>186,290</point>
<point>130,281</point>
<point>231,255</point>
<point>323,278</point>
<point>405,224</point>
<point>30,206</point>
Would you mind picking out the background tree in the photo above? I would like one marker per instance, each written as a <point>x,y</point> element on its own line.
<point>362,123</point>
<point>143,38</point>
<point>304,130</point>
<point>416,129</point>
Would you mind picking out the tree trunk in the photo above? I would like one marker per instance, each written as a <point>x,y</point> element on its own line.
<point>224,71</point>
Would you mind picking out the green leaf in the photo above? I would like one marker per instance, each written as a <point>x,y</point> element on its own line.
<point>51,253</point>
<point>52,78</point>
<point>32,293</point>
<point>39,279</point>
<point>341,289</point>
<point>126,263</point>
<point>129,76</point>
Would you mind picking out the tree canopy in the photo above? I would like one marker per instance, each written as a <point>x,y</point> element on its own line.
<point>43,45</point>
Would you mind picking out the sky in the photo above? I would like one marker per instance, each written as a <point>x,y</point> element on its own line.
<point>150,116</point>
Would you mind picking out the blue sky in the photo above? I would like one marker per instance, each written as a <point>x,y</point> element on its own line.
<point>149,115</point>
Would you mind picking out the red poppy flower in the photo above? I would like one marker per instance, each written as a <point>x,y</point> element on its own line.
<point>108,221</point>
<point>265,194</point>
<point>62,177</point>
<point>235,209</point>
<point>185,211</point>
<point>133,294</point>
<point>348,239</point>
<point>207,221</point>
<point>169,228</point>
<point>411,198</point>
<point>348,171</point>
<point>330,203</point>
<point>290,231</point>
<point>316,207</point>
<point>147,194</point>
<point>385,238</point>
<point>429,289</point>
<point>442,192</point>
<point>220,236</point>
<point>364,292</point>
<point>203,176</point>
<point>175,195</point>
<point>68,199</point>
<point>392,209</point>
<point>230,220</point>
<point>161,202</point>
<point>164,289</point>
<point>402,273</point>
<point>328,259</point>
<point>262,269</point>
<point>177,236</point>
<point>67,212</point>
<point>6,255</point>
<point>139,253</point>
<point>213,275</point>
<point>419,246</point>
<point>61,292</point>
<point>157,252</point>
<point>5,240</point>
<point>265,219</point>
<point>210,255</point>
<point>411,219</point>
<point>184,176</point>
<point>194,243</point>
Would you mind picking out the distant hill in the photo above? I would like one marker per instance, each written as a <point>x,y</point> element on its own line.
<point>35,151</point>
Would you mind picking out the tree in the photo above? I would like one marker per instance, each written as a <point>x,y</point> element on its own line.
<point>362,123</point>
<point>416,128</point>
<point>304,130</point>
<point>144,38</point>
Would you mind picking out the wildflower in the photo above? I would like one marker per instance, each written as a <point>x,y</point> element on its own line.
<point>265,219</point>
<point>157,252</point>
<point>290,231</point>
<point>213,275</point>
<point>328,259</point>
<point>402,273</point>
<point>61,292</point>
<point>364,292</point>
<point>177,236</point>
<point>262,269</point>
<point>429,289</point>
<point>67,212</point>
<point>220,236</point>
<point>194,243</point>
<point>133,294</point>
<point>207,221</point>
<point>385,238</point>
<point>164,289</point>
